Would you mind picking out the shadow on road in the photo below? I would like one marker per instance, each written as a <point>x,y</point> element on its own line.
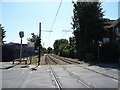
<point>26,66</point>
<point>8,67</point>
<point>105,65</point>
<point>34,69</point>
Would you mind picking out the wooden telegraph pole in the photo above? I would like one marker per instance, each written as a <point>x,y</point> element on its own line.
<point>39,44</point>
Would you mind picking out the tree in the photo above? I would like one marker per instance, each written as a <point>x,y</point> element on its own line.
<point>2,32</point>
<point>33,39</point>
<point>43,51</point>
<point>59,46</point>
<point>49,50</point>
<point>72,47</point>
<point>88,25</point>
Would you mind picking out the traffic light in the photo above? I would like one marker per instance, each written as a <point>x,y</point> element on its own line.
<point>37,43</point>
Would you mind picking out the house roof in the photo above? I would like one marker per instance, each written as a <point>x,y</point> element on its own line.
<point>109,23</point>
<point>112,23</point>
<point>115,22</point>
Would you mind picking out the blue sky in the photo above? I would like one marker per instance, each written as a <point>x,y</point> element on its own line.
<point>25,16</point>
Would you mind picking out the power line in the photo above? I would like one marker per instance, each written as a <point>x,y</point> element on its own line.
<point>47,31</point>
<point>56,15</point>
<point>66,31</point>
<point>54,20</point>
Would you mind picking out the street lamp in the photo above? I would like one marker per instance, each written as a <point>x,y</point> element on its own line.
<point>21,34</point>
<point>99,45</point>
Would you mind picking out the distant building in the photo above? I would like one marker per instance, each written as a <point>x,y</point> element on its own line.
<point>112,31</point>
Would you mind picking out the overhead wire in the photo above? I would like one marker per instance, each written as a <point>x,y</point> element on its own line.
<point>56,15</point>
<point>66,31</point>
<point>54,20</point>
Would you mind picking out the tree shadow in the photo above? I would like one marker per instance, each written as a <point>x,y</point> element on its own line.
<point>107,66</point>
<point>11,66</point>
<point>26,66</point>
<point>33,69</point>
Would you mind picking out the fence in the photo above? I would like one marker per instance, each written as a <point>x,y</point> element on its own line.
<point>12,51</point>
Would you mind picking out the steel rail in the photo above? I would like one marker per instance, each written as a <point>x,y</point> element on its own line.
<point>78,78</point>
<point>66,60</point>
<point>52,60</point>
<point>56,80</point>
<point>91,70</point>
<point>99,73</point>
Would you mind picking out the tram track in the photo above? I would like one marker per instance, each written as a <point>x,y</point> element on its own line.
<point>99,73</point>
<point>55,78</point>
<point>77,78</point>
<point>61,58</point>
<point>66,60</point>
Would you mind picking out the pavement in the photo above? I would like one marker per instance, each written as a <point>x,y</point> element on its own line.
<point>31,76</point>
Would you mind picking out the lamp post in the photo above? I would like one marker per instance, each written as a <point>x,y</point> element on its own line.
<point>21,34</point>
<point>99,45</point>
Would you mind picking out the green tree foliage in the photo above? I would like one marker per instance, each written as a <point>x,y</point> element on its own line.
<point>49,50</point>
<point>37,41</point>
<point>88,25</point>
<point>33,38</point>
<point>43,51</point>
<point>65,48</point>
<point>59,46</point>
<point>72,47</point>
<point>2,32</point>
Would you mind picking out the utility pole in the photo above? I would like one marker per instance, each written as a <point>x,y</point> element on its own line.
<point>39,44</point>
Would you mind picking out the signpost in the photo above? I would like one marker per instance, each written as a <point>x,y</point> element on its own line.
<point>21,34</point>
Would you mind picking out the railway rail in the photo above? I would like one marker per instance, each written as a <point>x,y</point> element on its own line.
<point>71,62</point>
<point>75,76</point>
<point>66,60</point>
<point>56,80</point>
<point>51,60</point>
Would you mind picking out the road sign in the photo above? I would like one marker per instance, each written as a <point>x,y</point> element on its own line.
<point>31,44</point>
<point>21,34</point>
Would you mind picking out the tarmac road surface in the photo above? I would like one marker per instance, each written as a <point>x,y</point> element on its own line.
<point>70,76</point>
